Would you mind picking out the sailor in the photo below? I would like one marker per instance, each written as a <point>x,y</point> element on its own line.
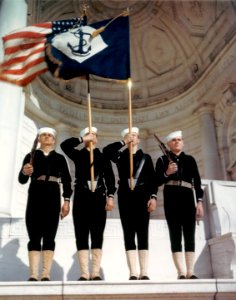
<point>182,188</point>
<point>92,199</point>
<point>45,168</point>
<point>135,199</point>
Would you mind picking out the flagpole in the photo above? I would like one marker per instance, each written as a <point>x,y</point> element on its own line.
<point>130,131</point>
<point>90,131</point>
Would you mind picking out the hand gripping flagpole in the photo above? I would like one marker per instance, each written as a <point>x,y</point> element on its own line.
<point>90,131</point>
<point>130,131</point>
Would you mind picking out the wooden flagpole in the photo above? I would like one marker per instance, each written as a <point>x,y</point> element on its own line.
<point>130,131</point>
<point>90,131</point>
<point>85,6</point>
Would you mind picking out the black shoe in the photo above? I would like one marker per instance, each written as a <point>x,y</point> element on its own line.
<point>181,277</point>
<point>133,278</point>
<point>83,279</point>
<point>193,277</point>
<point>45,279</point>
<point>32,279</point>
<point>144,278</point>
<point>96,278</point>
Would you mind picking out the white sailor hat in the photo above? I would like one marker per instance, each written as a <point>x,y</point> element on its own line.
<point>47,130</point>
<point>133,130</point>
<point>84,131</point>
<point>173,135</point>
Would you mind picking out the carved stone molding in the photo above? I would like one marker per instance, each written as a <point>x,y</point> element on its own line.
<point>232,170</point>
<point>172,44</point>
<point>230,94</point>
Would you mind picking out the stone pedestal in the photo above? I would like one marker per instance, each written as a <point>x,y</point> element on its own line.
<point>223,256</point>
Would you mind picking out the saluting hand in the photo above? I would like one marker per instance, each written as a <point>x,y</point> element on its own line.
<point>90,137</point>
<point>28,169</point>
<point>128,138</point>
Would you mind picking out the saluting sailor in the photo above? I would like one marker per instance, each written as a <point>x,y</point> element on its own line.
<point>45,168</point>
<point>89,207</point>
<point>182,188</point>
<point>135,204</point>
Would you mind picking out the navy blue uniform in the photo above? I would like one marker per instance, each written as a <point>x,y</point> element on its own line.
<point>44,198</point>
<point>179,203</point>
<point>133,203</point>
<point>89,214</point>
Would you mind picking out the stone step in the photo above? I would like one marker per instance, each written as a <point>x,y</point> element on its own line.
<point>204,289</point>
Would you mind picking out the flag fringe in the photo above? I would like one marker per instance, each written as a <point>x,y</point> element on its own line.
<point>55,61</point>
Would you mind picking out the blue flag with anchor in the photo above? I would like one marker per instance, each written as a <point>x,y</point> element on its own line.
<point>100,49</point>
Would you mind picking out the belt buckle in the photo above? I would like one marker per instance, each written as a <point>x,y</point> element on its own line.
<point>134,182</point>
<point>90,184</point>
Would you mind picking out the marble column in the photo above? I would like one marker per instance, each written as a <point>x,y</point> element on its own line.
<point>13,14</point>
<point>229,95</point>
<point>210,155</point>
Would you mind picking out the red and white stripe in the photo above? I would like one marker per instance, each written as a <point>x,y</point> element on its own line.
<point>24,54</point>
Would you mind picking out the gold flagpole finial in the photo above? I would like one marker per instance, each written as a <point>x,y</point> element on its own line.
<point>85,7</point>
<point>126,12</point>
<point>129,83</point>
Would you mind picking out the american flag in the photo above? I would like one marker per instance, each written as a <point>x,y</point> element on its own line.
<point>24,50</point>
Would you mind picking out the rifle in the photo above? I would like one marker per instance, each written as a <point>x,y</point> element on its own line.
<point>194,197</point>
<point>34,147</point>
<point>163,148</point>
